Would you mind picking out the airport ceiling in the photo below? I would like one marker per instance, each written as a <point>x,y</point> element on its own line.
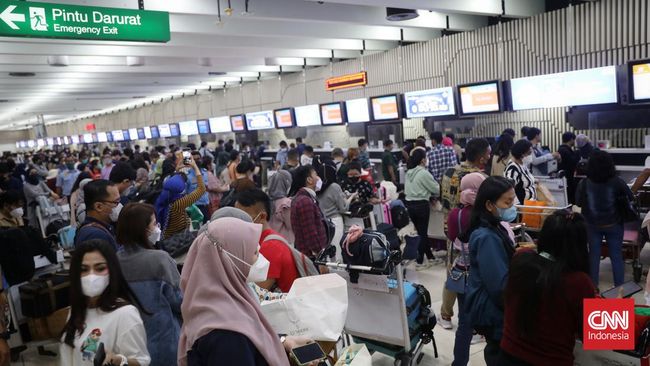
<point>209,50</point>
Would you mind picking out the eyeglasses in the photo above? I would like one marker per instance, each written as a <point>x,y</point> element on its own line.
<point>116,202</point>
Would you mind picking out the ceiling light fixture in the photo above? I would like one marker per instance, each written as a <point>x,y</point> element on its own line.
<point>58,61</point>
<point>205,61</point>
<point>246,12</point>
<point>22,74</point>
<point>399,14</point>
<point>134,61</point>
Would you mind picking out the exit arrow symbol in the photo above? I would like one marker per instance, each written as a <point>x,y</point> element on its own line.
<point>8,17</point>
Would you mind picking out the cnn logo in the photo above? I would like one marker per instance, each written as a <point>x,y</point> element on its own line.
<point>607,324</point>
<point>600,320</point>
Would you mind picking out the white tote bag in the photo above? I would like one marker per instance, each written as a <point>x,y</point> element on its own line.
<point>316,307</point>
<point>355,355</point>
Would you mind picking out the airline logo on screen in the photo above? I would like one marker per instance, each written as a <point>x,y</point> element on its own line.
<point>608,324</point>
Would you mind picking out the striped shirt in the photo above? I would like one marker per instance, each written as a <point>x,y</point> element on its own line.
<point>178,220</point>
<point>523,180</point>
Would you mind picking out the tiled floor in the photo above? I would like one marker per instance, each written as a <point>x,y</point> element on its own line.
<point>433,279</point>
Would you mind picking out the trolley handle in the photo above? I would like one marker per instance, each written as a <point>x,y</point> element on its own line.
<point>395,257</point>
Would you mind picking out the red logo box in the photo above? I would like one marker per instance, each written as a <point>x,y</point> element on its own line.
<point>608,324</point>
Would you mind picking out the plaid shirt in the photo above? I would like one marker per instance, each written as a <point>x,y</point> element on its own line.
<point>307,223</point>
<point>440,159</point>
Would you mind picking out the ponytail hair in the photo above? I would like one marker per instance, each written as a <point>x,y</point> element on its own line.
<point>417,155</point>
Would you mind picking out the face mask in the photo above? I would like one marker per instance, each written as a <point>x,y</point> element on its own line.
<point>319,184</point>
<point>154,236</point>
<point>256,217</point>
<point>354,179</point>
<point>115,212</point>
<point>259,270</point>
<point>70,166</point>
<point>17,212</point>
<point>85,161</point>
<point>528,160</point>
<point>93,285</point>
<point>507,214</point>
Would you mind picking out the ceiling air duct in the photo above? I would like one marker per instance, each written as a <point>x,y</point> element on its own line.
<point>399,14</point>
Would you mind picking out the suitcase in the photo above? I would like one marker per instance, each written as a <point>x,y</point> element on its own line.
<point>418,308</point>
<point>391,235</point>
<point>42,296</point>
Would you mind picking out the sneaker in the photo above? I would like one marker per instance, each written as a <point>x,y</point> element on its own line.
<point>440,254</point>
<point>477,338</point>
<point>423,266</point>
<point>433,262</point>
<point>445,323</point>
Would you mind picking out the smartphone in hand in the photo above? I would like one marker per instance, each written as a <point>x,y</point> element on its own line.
<point>304,355</point>
<point>100,355</point>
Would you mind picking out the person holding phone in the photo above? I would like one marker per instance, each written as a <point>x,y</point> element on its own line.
<point>171,204</point>
<point>223,320</point>
<point>547,287</point>
<point>104,313</point>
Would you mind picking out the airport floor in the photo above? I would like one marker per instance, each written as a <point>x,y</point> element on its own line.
<point>433,279</point>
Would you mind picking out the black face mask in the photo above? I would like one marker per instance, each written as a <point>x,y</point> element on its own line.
<point>353,180</point>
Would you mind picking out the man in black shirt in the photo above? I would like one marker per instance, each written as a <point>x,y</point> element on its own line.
<point>569,162</point>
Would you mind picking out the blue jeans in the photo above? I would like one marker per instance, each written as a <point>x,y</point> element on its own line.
<point>463,335</point>
<point>614,237</point>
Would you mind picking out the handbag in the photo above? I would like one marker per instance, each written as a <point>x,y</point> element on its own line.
<point>457,277</point>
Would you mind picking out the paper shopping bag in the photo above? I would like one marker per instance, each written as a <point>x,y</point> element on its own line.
<point>316,307</point>
<point>355,355</point>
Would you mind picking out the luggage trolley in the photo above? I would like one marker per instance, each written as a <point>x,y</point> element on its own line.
<point>370,300</point>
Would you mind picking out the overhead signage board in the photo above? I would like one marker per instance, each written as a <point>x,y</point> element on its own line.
<point>46,20</point>
<point>346,81</point>
<point>573,88</point>
<point>433,102</point>
<point>641,81</point>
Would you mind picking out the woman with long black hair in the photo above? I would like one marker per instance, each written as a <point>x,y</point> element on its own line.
<point>490,251</point>
<point>103,310</point>
<point>547,288</point>
<point>419,188</point>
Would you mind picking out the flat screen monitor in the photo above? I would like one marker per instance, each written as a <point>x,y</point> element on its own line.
<point>102,137</point>
<point>357,110</point>
<point>133,134</point>
<point>259,121</point>
<point>204,126</point>
<point>141,135</point>
<point>40,142</point>
<point>17,144</point>
<point>109,136</point>
<point>480,98</point>
<point>75,139</point>
<point>147,132</point>
<point>67,140</point>
<point>118,135</point>
<point>220,124</point>
<point>332,114</point>
<point>175,131</point>
<point>430,103</point>
<point>237,123</point>
<point>127,135</point>
<point>188,128</point>
<point>639,72</point>
<point>154,132</point>
<point>308,115</point>
<point>88,138</point>
<point>58,141</point>
<point>385,108</point>
<point>284,118</point>
<point>50,141</point>
<point>31,143</point>
<point>164,130</point>
<point>574,88</point>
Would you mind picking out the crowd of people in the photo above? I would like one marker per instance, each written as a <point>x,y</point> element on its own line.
<point>129,295</point>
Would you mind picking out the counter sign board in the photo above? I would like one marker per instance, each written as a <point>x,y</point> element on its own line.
<point>45,20</point>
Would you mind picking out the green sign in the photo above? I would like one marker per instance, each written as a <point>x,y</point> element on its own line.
<point>45,20</point>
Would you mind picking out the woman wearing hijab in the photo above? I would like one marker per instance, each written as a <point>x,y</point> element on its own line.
<point>171,204</point>
<point>279,186</point>
<point>223,321</point>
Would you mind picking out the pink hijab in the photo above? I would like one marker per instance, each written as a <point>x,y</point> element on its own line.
<point>216,295</point>
<point>469,186</point>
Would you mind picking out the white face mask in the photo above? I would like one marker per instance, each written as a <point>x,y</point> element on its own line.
<point>528,160</point>
<point>93,285</point>
<point>154,236</point>
<point>319,185</point>
<point>115,212</point>
<point>259,270</point>
<point>17,212</point>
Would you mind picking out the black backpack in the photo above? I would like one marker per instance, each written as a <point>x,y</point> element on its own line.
<point>229,199</point>
<point>371,249</point>
<point>399,216</point>
<point>16,258</point>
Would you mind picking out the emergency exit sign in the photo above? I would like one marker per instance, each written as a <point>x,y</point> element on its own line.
<point>45,20</point>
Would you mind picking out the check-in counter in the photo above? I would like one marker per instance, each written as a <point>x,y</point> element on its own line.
<point>629,162</point>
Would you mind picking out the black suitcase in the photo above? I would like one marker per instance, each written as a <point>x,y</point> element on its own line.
<point>42,296</point>
<point>390,232</point>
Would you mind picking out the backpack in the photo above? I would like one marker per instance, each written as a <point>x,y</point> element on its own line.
<point>400,216</point>
<point>229,199</point>
<point>178,244</point>
<point>16,258</point>
<point>304,265</point>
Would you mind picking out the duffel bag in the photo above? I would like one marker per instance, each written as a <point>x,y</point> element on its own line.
<point>390,232</point>
<point>42,296</point>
